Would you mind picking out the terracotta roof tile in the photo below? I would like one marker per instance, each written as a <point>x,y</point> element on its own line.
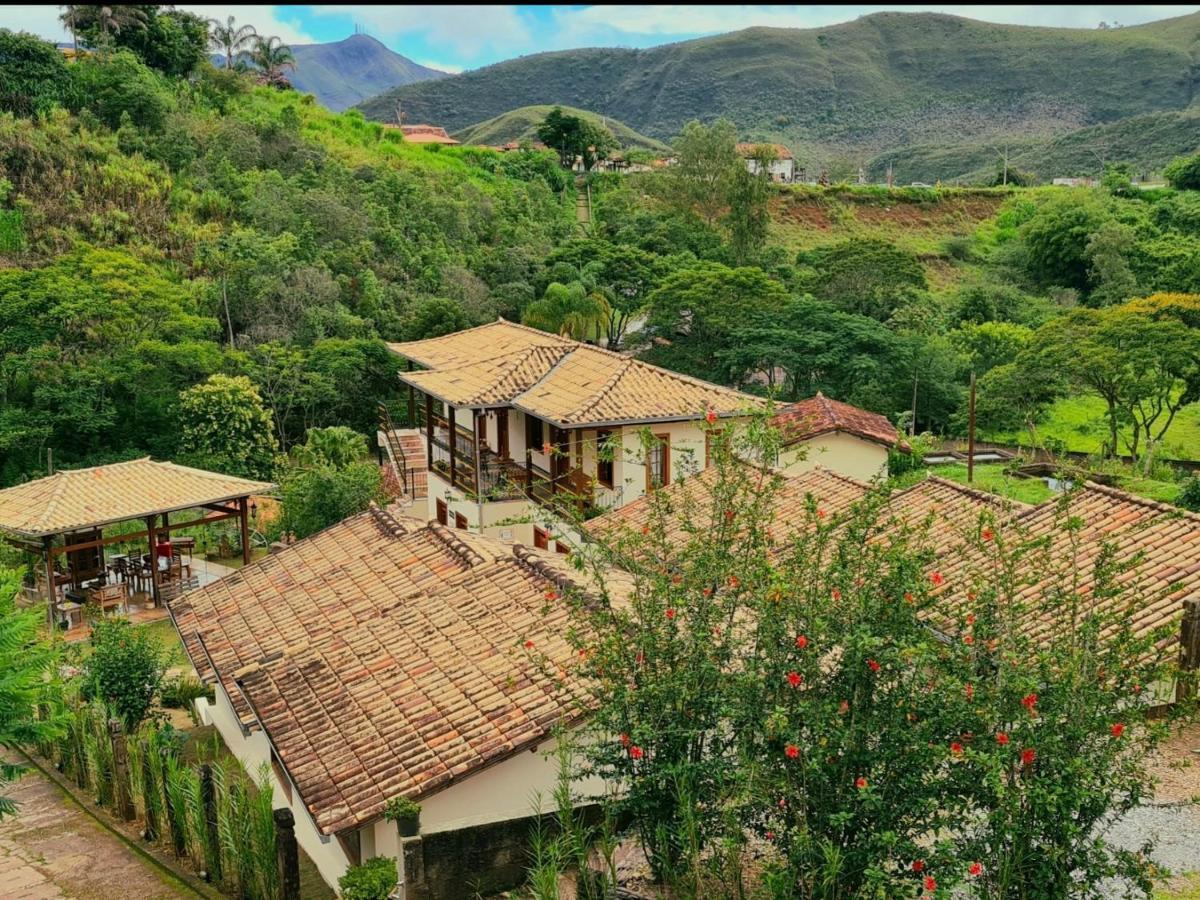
<point>819,415</point>
<point>78,498</point>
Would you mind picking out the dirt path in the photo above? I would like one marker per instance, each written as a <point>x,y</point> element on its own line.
<point>53,849</point>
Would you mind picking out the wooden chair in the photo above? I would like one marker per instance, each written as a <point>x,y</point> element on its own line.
<point>110,596</point>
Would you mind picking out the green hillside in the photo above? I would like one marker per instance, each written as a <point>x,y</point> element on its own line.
<point>342,73</point>
<point>876,85</point>
<point>521,124</point>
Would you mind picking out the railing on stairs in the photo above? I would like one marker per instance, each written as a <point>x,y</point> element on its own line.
<point>395,448</point>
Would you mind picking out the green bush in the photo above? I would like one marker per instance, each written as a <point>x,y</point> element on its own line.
<point>179,692</point>
<point>126,669</point>
<point>33,74</point>
<point>1189,495</point>
<point>373,880</point>
<point>318,497</point>
<point>401,808</point>
<point>1183,173</point>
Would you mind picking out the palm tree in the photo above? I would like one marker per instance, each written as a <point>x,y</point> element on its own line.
<point>71,17</point>
<point>231,39</point>
<point>110,20</point>
<point>570,310</point>
<point>272,56</point>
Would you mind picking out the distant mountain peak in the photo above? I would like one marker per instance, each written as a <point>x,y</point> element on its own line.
<point>343,73</point>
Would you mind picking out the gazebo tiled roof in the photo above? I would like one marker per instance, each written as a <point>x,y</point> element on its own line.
<point>73,499</point>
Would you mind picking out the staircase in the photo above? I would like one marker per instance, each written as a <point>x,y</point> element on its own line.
<point>405,449</point>
<point>583,203</point>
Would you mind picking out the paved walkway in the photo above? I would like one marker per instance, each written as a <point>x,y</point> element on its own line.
<point>52,849</point>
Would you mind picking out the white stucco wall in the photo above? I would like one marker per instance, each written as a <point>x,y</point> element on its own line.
<point>839,452</point>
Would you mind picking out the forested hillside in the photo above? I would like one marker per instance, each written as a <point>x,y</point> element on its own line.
<point>844,95</point>
<point>521,125</point>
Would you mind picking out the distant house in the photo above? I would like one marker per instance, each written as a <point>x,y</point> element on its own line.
<point>823,432</point>
<point>782,168</point>
<point>426,134</point>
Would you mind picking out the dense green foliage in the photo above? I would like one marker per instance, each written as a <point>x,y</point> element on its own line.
<point>33,74</point>
<point>327,480</point>
<point>930,93</point>
<point>125,669</point>
<point>575,138</point>
<point>372,880</point>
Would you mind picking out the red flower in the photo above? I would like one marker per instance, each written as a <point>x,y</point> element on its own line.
<point>820,513</point>
<point>1028,700</point>
<point>635,752</point>
<point>551,595</point>
<point>1028,755</point>
<point>529,645</point>
<point>640,658</point>
<point>937,579</point>
<point>975,870</point>
<point>837,595</point>
<point>918,866</point>
<point>770,835</point>
<point>930,883</point>
<point>956,747</point>
<point>795,679</point>
<point>970,618</point>
<point>711,416</point>
<point>707,592</point>
<point>791,751</point>
<point>969,639</point>
<point>624,740</point>
<point>670,612</point>
<point>801,641</point>
<point>860,783</point>
<point>547,448</point>
<point>1001,738</point>
<point>783,802</point>
<point>1117,729</point>
<point>908,597</point>
<point>645,529</point>
<point>733,581</point>
<point>844,707</point>
<point>873,666</point>
<point>987,534</point>
<point>970,691</point>
<point>729,515</point>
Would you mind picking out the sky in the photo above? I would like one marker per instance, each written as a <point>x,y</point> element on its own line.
<point>456,38</point>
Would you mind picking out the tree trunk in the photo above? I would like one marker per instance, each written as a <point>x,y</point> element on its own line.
<point>225,303</point>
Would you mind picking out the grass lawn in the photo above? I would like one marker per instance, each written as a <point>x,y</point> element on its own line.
<point>1185,887</point>
<point>993,479</point>
<point>1079,422</point>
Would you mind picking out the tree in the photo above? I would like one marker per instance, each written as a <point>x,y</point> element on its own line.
<point>1108,251</point>
<point>225,427</point>
<point>869,277</point>
<point>1183,173</point>
<point>322,495</point>
<point>232,40</point>
<point>336,446</point>
<point>101,25</point>
<point>574,137</point>
<point>569,309</point>
<point>33,75</point>
<point>126,669</point>
<point>118,87</point>
<point>30,665</point>
<point>433,317</point>
<point>748,217</point>
<point>699,183</point>
<point>1056,237</point>
<point>272,57</point>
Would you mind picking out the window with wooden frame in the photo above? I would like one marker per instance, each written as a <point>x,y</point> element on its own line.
<point>604,459</point>
<point>460,521</point>
<point>658,462</point>
<point>443,512</point>
<point>535,434</point>
<point>560,547</point>
<point>541,538</point>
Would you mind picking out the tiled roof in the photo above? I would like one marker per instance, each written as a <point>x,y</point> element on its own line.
<point>819,415</point>
<point>748,148</point>
<point>426,134</point>
<point>558,379</point>
<point>948,509</point>
<point>384,656</point>
<point>1162,542</point>
<point>81,498</point>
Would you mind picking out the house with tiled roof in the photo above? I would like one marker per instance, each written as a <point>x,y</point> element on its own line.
<point>390,657</point>
<point>824,432</point>
<point>517,420</point>
<point>426,134</point>
<point>781,166</point>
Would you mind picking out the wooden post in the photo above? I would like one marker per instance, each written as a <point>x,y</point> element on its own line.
<point>51,590</point>
<point>151,536</point>
<point>244,517</point>
<point>412,402</point>
<point>1189,650</point>
<point>208,798</point>
<point>178,839</point>
<point>148,790</point>
<point>971,434</point>
<point>428,435</point>
<point>287,854</point>
<point>452,428</point>
<point>478,420</point>
<point>122,793</point>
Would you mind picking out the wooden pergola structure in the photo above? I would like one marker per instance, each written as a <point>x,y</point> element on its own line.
<point>66,513</point>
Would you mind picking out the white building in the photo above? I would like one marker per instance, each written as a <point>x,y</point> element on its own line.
<point>837,436</point>
<point>782,168</point>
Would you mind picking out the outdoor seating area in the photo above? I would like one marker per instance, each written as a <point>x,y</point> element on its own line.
<point>91,563</point>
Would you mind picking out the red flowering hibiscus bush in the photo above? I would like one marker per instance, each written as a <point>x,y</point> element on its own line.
<point>822,712</point>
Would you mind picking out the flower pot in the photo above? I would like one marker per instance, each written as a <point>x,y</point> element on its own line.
<point>409,826</point>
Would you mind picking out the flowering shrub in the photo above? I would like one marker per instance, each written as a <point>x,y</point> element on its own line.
<point>831,701</point>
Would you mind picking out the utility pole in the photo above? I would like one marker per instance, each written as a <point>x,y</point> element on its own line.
<point>889,176</point>
<point>971,434</point>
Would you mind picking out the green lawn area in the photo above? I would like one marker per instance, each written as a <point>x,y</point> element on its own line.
<point>1079,422</point>
<point>993,479</point>
<point>1186,887</point>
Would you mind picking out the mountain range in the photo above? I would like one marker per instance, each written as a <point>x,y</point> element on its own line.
<point>932,94</point>
<point>343,73</point>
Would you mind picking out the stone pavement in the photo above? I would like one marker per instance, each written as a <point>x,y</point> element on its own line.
<point>52,849</point>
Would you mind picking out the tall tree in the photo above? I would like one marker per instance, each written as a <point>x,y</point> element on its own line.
<point>272,57</point>
<point>698,184</point>
<point>231,39</point>
<point>574,137</point>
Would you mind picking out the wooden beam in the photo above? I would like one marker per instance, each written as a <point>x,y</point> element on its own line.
<point>428,434</point>
<point>244,504</point>
<point>131,536</point>
<point>412,401</point>
<point>51,589</point>
<point>152,534</point>
<point>21,545</point>
<point>452,432</point>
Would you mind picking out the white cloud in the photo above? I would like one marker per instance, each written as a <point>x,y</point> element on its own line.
<point>459,31</point>
<point>39,20</point>
<point>267,20</point>
<point>452,68</point>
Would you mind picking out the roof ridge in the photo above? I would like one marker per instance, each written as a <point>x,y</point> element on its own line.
<point>968,490</point>
<point>1140,501</point>
<point>612,381</point>
<point>456,545</point>
<point>389,523</point>
<point>848,479</point>
<point>539,566</point>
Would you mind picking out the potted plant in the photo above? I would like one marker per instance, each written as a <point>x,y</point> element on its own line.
<point>406,814</point>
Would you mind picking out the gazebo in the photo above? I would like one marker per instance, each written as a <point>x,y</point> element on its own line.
<point>64,515</point>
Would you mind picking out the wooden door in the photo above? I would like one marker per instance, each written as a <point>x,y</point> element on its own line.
<point>541,539</point>
<point>460,521</point>
<point>443,513</point>
<point>502,433</point>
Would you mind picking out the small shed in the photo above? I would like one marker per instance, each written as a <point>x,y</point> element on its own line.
<point>63,517</point>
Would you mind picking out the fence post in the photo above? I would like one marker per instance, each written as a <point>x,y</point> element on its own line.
<point>148,789</point>
<point>122,788</point>
<point>178,842</point>
<point>287,853</point>
<point>1189,650</point>
<point>208,796</point>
